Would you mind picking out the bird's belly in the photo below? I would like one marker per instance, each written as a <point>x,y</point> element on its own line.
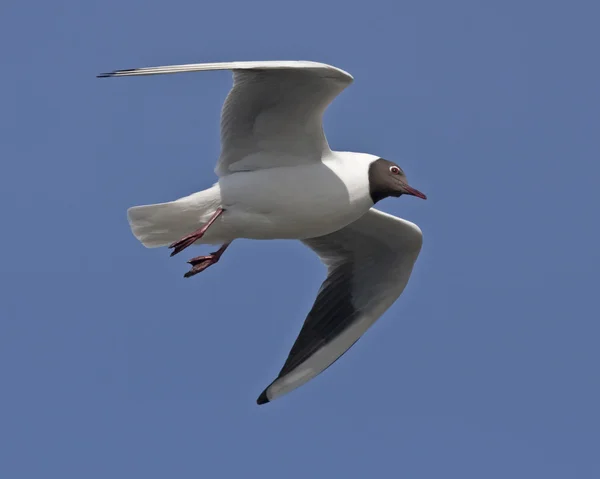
<point>288,224</point>
<point>291,203</point>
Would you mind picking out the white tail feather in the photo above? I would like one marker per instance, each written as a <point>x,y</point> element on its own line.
<point>164,223</point>
<point>155,225</point>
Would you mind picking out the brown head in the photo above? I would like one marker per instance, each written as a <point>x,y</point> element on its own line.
<point>388,179</point>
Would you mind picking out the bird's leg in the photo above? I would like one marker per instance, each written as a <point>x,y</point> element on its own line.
<point>190,239</point>
<point>200,263</point>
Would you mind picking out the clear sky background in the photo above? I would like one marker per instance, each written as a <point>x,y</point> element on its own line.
<point>112,365</point>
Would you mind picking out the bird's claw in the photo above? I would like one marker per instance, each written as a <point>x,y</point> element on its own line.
<point>190,239</point>
<point>200,263</point>
<point>183,243</point>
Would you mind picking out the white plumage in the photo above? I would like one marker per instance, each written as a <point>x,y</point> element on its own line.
<point>278,178</point>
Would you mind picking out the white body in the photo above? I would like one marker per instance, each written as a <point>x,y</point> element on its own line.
<point>295,202</point>
<point>278,179</point>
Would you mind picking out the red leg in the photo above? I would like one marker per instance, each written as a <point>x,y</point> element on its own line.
<point>200,263</point>
<point>190,239</point>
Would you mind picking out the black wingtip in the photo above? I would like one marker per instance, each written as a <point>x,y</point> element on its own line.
<point>262,399</point>
<point>115,73</point>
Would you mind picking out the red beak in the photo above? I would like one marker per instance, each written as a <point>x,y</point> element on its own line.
<point>411,191</point>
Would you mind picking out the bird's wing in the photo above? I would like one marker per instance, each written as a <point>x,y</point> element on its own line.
<point>369,263</point>
<point>273,114</point>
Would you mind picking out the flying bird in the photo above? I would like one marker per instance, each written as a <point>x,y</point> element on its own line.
<point>279,179</point>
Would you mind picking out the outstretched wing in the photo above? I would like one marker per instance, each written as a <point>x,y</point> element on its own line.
<point>369,263</point>
<point>273,114</point>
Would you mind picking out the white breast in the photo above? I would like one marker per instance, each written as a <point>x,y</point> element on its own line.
<point>296,202</point>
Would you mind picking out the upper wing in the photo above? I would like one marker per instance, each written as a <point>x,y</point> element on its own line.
<point>273,114</point>
<point>369,263</point>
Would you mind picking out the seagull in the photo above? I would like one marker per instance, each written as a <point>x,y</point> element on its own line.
<point>279,179</point>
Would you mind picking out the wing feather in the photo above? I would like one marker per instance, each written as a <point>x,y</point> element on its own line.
<point>369,264</point>
<point>273,114</point>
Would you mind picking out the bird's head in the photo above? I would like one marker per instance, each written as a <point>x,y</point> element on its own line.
<point>388,179</point>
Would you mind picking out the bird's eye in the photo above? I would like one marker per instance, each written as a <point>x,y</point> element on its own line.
<point>394,170</point>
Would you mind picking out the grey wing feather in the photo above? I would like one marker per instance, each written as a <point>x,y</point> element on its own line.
<point>274,117</point>
<point>369,263</point>
<point>273,114</point>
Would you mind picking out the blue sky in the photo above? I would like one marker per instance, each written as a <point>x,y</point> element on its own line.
<point>113,365</point>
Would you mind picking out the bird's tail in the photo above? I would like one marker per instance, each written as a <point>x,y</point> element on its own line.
<point>164,223</point>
